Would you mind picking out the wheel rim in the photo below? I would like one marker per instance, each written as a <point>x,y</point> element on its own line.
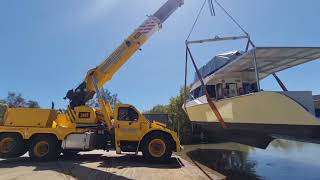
<point>6,145</point>
<point>157,147</point>
<point>41,149</point>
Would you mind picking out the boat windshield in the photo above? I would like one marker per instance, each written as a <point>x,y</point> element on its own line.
<point>216,63</point>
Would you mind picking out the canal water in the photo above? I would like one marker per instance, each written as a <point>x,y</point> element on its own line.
<point>281,160</point>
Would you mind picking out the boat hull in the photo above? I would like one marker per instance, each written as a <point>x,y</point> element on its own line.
<point>256,119</point>
<point>257,135</point>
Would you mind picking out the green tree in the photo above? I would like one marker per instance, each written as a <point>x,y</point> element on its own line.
<point>111,98</point>
<point>2,101</point>
<point>159,109</point>
<point>178,116</point>
<point>16,100</point>
<point>32,104</point>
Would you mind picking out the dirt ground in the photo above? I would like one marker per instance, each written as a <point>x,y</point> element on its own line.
<point>98,165</point>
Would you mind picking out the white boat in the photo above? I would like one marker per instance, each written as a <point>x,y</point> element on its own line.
<point>233,83</point>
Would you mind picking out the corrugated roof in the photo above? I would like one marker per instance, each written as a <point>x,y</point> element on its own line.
<point>272,59</point>
<point>269,60</point>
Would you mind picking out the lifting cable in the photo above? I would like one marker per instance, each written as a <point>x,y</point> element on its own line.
<point>234,21</point>
<point>188,53</point>
<point>185,96</point>
<point>195,22</point>
<point>211,7</point>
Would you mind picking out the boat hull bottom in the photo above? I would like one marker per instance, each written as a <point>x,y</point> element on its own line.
<point>257,135</point>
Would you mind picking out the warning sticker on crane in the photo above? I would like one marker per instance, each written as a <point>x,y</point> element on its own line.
<point>150,26</point>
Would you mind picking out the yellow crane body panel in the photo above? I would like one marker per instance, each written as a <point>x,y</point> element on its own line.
<point>28,117</point>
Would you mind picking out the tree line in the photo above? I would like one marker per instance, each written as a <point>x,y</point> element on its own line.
<point>110,97</point>
<point>14,100</point>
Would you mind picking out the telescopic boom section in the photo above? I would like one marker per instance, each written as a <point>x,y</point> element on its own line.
<point>133,43</point>
<point>105,71</point>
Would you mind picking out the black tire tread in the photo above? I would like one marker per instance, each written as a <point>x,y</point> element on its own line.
<point>157,135</point>
<point>54,148</point>
<point>20,147</point>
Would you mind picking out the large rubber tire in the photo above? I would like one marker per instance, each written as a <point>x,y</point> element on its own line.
<point>44,148</point>
<point>12,145</point>
<point>157,147</point>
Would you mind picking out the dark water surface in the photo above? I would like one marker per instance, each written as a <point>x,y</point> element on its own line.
<point>281,160</point>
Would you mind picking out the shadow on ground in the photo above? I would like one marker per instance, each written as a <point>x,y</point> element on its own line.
<point>90,166</point>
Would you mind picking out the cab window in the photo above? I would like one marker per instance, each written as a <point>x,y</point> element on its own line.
<point>127,114</point>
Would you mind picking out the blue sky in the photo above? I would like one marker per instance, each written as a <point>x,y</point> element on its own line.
<point>46,47</point>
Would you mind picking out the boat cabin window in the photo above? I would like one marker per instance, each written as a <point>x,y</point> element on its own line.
<point>249,88</point>
<point>246,88</point>
<point>211,91</point>
<point>219,91</point>
<point>231,90</point>
<point>198,92</point>
<point>317,113</point>
<point>254,87</point>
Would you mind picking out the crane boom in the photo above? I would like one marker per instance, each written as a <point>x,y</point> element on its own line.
<point>105,71</point>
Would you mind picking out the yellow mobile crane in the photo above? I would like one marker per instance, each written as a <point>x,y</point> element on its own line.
<point>45,133</point>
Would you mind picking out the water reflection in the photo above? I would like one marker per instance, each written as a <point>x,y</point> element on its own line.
<point>281,160</point>
<point>233,164</point>
<point>287,145</point>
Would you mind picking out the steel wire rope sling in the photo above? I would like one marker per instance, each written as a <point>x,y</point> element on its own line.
<point>188,53</point>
